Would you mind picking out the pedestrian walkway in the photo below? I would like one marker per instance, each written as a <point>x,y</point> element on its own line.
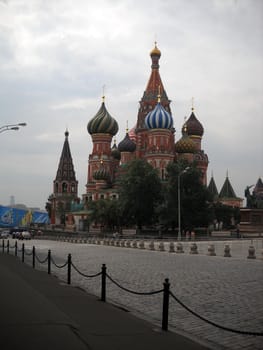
<point>40,312</point>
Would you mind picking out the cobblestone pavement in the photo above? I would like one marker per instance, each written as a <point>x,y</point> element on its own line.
<point>227,291</point>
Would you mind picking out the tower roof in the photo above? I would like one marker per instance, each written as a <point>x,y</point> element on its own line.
<point>66,168</point>
<point>193,125</point>
<point>103,122</point>
<point>212,187</point>
<point>159,118</point>
<point>126,145</point>
<point>185,144</point>
<point>227,190</point>
<point>153,89</point>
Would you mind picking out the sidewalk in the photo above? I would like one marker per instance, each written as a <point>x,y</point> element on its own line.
<point>40,312</point>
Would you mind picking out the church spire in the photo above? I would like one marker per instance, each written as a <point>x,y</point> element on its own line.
<point>153,89</point>
<point>65,170</point>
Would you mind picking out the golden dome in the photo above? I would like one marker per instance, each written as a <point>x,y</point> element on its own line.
<point>155,51</point>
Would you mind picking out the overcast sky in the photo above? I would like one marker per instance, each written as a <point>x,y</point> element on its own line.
<point>55,57</point>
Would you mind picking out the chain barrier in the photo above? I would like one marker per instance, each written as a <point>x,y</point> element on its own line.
<point>28,254</point>
<point>41,261</point>
<point>211,322</point>
<point>166,291</point>
<point>83,274</point>
<point>12,246</point>
<point>58,266</point>
<point>132,291</point>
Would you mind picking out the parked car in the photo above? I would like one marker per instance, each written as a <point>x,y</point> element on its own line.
<point>5,234</point>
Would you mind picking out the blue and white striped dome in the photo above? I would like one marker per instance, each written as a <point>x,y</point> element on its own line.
<point>158,118</point>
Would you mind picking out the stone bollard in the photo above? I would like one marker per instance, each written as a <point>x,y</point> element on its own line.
<point>211,250</point>
<point>251,252</point>
<point>134,244</point>
<point>171,247</point>
<point>128,243</point>
<point>193,248</point>
<point>141,245</point>
<point>227,253</point>
<point>151,245</point>
<point>179,248</point>
<point>161,247</point>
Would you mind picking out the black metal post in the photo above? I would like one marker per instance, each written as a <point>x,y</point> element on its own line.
<point>69,268</point>
<point>166,292</point>
<point>3,245</point>
<point>8,246</point>
<point>49,262</point>
<point>15,248</point>
<point>33,256</point>
<point>23,252</point>
<point>103,282</point>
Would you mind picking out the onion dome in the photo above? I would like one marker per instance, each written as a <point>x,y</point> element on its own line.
<point>193,126</point>
<point>103,122</point>
<point>185,144</point>
<point>155,51</point>
<point>126,145</point>
<point>158,118</point>
<point>101,174</point>
<point>115,153</point>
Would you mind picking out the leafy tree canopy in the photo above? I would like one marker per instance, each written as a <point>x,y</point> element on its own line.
<point>140,193</point>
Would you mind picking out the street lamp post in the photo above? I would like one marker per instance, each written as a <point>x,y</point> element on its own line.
<point>179,202</point>
<point>11,127</point>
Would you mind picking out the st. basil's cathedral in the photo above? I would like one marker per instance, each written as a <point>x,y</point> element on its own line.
<point>151,139</point>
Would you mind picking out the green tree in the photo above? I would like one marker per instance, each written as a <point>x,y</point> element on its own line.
<point>226,214</point>
<point>139,193</point>
<point>195,198</point>
<point>105,212</point>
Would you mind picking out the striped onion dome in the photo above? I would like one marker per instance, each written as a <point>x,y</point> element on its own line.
<point>158,118</point>
<point>126,145</point>
<point>185,144</point>
<point>194,127</point>
<point>101,174</point>
<point>103,123</point>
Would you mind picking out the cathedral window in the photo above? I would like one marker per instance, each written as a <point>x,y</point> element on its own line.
<point>64,187</point>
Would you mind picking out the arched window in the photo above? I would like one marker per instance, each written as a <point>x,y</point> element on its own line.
<point>64,187</point>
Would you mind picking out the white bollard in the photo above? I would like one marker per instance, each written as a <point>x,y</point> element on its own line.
<point>141,245</point>
<point>171,247</point>
<point>251,252</point>
<point>179,248</point>
<point>227,253</point>
<point>161,247</point>
<point>211,250</point>
<point>134,244</point>
<point>193,248</point>
<point>151,245</point>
